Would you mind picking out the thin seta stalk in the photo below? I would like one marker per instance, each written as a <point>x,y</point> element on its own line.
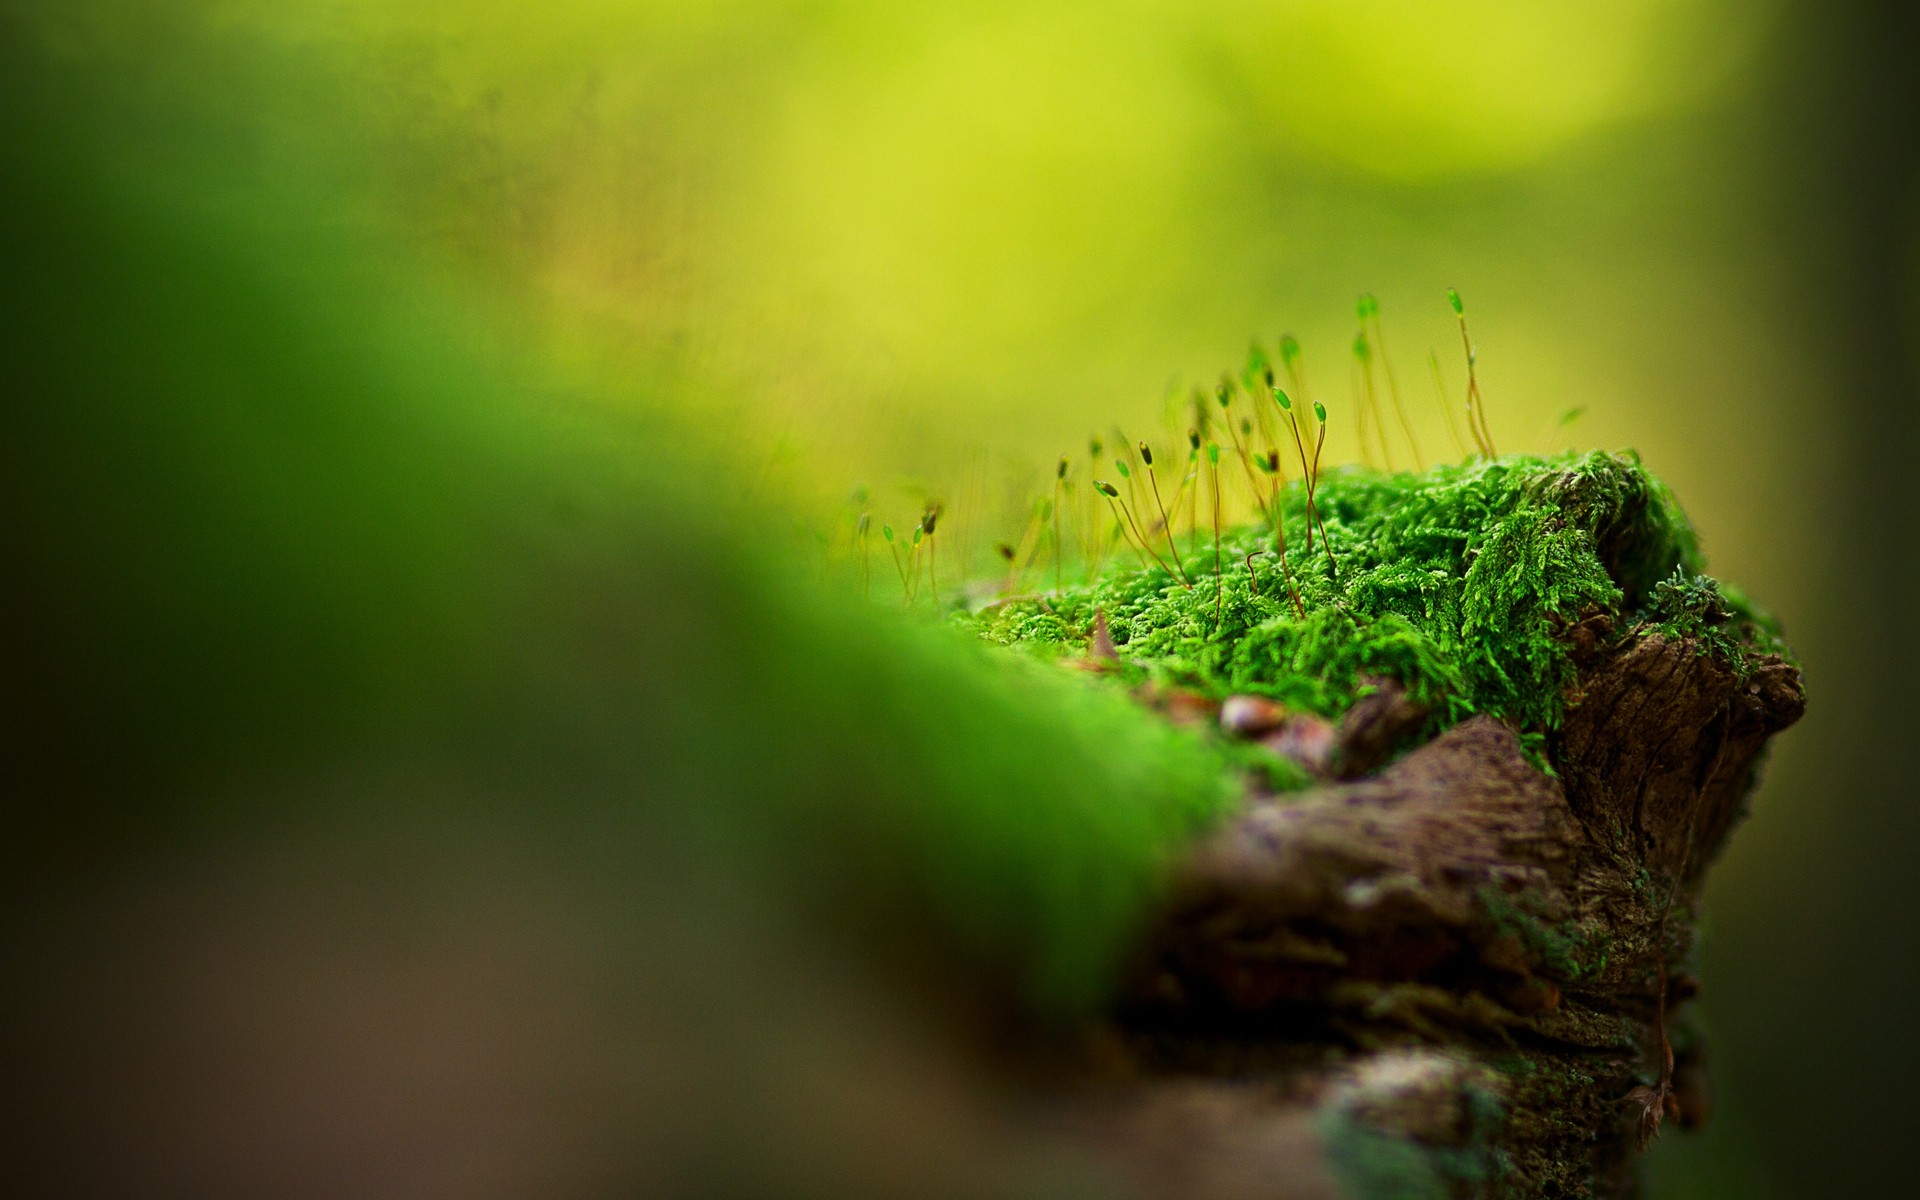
<point>1291,358</point>
<point>1326,543</point>
<point>1271,464</point>
<point>865,528</point>
<point>1446,405</point>
<point>1121,509</point>
<point>1059,560</point>
<point>1095,541</point>
<point>1186,480</point>
<point>1370,310</point>
<point>1192,478</point>
<point>1224,393</point>
<point>893,547</point>
<point>1219,594</point>
<point>1022,555</point>
<point>1166,523</point>
<point>1309,468</point>
<point>1367,405</point>
<point>928,522</point>
<point>1476,407</point>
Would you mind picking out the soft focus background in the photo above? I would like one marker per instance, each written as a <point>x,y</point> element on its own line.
<point>929,247</point>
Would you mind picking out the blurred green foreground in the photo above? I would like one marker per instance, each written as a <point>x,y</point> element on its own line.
<point>425,779</point>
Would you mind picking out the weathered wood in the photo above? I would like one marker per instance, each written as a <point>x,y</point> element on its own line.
<point>1462,975</point>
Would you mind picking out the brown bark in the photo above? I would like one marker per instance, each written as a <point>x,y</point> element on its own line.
<point>1461,975</point>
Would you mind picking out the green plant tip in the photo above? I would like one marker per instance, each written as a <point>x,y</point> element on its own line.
<point>1283,400</point>
<point>1453,298</point>
<point>1320,411</point>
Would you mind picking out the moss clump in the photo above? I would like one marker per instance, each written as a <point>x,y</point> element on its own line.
<point>1462,583</point>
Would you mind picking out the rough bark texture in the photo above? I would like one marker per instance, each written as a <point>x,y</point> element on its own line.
<point>1460,975</point>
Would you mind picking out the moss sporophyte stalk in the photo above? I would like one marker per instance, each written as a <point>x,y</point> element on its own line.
<point>1464,584</point>
<point>1471,586</point>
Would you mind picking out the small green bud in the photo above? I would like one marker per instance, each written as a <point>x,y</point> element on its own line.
<point>1106,489</point>
<point>1283,400</point>
<point>1223,392</point>
<point>1453,298</point>
<point>1362,350</point>
<point>1213,453</point>
<point>1146,454</point>
<point>1121,467</point>
<point>886,531</point>
<point>1289,350</point>
<point>1320,411</point>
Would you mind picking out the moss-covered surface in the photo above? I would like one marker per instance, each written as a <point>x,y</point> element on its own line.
<point>1464,583</point>
<point>1560,597</point>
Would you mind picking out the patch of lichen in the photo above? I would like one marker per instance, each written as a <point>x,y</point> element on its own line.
<point>1460,582</point>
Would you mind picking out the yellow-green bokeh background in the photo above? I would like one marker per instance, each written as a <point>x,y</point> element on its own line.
<point>892,239</point>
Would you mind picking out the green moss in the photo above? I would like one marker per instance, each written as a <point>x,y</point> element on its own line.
<point>1373,1164</point>
<point>1718,620</point>
<point>1460,582</point>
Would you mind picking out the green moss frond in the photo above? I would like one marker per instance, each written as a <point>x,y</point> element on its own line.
<point>1460,582</point>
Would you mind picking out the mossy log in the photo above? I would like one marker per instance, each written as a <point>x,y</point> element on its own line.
<point>1462,975</point>
<point>393,757</point>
